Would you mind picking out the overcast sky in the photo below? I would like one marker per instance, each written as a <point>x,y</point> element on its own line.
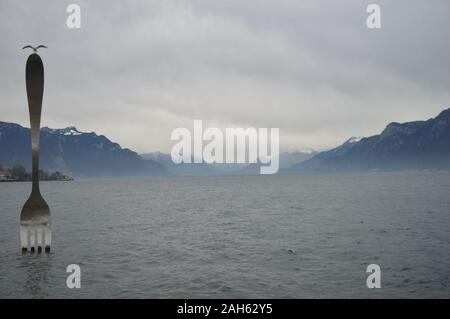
<point>138,69</point>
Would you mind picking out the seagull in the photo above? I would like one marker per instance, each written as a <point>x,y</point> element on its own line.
<point>35,48</point>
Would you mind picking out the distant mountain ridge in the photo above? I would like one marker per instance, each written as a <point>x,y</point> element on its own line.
<point>72,152</point>
<point>286,160</point>
<point>417,145</point>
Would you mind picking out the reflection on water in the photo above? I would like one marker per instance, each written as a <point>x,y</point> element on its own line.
<point>35,268</point>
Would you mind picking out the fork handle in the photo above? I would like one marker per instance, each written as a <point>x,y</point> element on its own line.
<point>35,91</point>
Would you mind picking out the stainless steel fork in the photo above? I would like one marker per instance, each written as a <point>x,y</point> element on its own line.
<point>35,221</point>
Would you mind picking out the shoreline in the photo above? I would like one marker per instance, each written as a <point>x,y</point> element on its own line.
<point>44,180</point>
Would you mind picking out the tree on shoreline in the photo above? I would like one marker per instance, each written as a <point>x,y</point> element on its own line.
<point>19,173</point>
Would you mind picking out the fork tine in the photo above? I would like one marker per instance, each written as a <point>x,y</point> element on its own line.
<point>24,237</point>
<point>47,238</point>
<point>32,237</point>
<point>39,235</point>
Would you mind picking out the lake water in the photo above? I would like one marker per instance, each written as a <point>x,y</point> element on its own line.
<point>240,237</point>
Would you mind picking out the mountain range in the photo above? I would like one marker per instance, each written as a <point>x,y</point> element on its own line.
<point>72,152</point>
<point>77,153</point>
<point>286,160</point>
<point>418,145</point>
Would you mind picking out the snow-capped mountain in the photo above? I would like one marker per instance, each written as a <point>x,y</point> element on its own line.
<point>72,152</point>
<point>414,145</point>
<point>68,131</point>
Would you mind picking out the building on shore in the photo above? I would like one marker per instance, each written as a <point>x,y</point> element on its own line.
<point>3,176</point>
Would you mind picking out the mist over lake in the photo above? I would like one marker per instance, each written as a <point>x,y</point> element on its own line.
<point>235,237</point>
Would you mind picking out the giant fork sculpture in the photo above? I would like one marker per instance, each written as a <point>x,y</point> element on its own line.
<point>35,222</point>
